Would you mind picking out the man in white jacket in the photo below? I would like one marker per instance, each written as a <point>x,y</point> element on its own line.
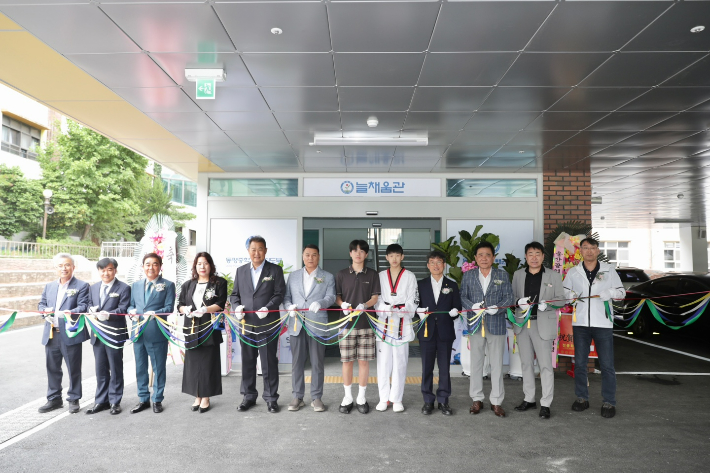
<point>594,283</point>
<point>395,309</point>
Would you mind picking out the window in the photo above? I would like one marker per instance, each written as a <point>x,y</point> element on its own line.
<point>19,138</point>
<point>491,188</point>
<point>671,255</point>
<point>616,251</point>
<point>253,188</point>
<point>181,192</point>
<point>190,194</point>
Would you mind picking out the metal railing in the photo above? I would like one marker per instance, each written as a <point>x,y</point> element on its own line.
<point>15,149</point>
<point>119,249</point>
<point>24,249</point>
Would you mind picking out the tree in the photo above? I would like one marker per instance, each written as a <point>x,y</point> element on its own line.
<point>20,202</point>
<point>95,182</point>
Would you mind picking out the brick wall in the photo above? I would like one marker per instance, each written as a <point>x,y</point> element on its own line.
<point>566,195</point>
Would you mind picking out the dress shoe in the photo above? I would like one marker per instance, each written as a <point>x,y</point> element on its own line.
<point>525,405</point>
<point>74,406</point>
<point>157,407</point>
<point>272,407</point>
<point>246,405</point>
<point>318,405</point>
<point>445,409</point>
<point>346,409</point>
<point>498,410</point>
<point>544,412</point>
<point>98,408</point>
<point>296,404</point>
<point>398,407</point>
<point>205,409</point>
<point>382,406</point>
<point>427,408</point>
<point>141,406</point>
<point>363,408</point>
<point>580,405</point>
<point>608,410</point>
<point>51,405</point>
<point>115,409</point>
<point>475,407</point>
<point>194,407</point>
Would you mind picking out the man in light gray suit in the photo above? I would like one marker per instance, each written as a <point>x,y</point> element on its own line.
<point>314,288</point>
<point>532,287</point>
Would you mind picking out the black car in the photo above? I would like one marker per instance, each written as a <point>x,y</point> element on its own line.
<point>693,284</point>
<point>631,277</point>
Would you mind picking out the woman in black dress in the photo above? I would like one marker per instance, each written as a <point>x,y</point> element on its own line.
<point>200,298</point>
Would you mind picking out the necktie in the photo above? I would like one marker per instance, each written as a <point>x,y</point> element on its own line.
<point>148,290</point>
<point>104,291</point>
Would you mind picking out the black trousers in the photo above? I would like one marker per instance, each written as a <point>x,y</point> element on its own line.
<point>436,350</point>
<point>269,371</point>
<point>109,374</point>
<point>55,351</point>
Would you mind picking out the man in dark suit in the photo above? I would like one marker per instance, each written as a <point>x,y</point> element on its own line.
<point>67,297</point>
<point>150,296</point>
<point>259,286</point>
<point>109,297</point>
<point>437,294</point>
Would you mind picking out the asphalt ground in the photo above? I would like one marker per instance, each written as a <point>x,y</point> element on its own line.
<point>662,424</point>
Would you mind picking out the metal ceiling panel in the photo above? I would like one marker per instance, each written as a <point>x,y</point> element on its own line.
<point>696,75</point>
<point>506,163</point>
<point>430,153</point>
<point>586,138</point>
<point>477,26</point>
<point>629,152</point>
<point>498,138</point>
<point>304,26</point>
<point>204,140</point>
<point>441,138</point>
<point>236,164</point>
<point>72,28</point>
<point>571,152</point>
<point>596,99</point>
<point>309,121</point>
<point>449,99</point>
<point>311,154</point>
<point>660,138</point>
<point>594,26</point>
<point>455,162</point>
<point>158,99</point>
<point>243,121</point>
<point>671,32</point>
<point>676,151</point>
<point>123,70</point>
<point>465,69</point>
<point>258,138</point>
<point>501,121</point>
<point>436,120</point>
<point>374,152</point>
<point>375,99</point>
<point>639,69</point>
<point>195,122</point>
<point>295,70</point>
<point>545,139</point>
<point>357,122</point>
<point>669,98</point>
<point>174,65</point>
<point>620,121</point>
<point>643,162</point>
<point>381,69</point>
<point>477,153</point>
<point>153,27</point>
<point>517,152</point>
<point>686,121</point>
<point>232,99</point>
<point>552,69</point>
<point>259,153</point>
<point>301,99</point>
<point>564,120</point>
<point>382,26</point>
<point>522,98</point>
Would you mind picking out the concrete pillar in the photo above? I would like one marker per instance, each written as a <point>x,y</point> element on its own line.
<point>693,248</point>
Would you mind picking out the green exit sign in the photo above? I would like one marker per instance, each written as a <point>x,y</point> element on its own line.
<point>205,89</point>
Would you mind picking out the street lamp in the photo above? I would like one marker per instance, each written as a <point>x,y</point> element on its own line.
<point>48,209</point>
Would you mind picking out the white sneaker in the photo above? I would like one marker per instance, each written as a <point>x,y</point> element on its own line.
<point>381,406</point>
<point>398,407</point>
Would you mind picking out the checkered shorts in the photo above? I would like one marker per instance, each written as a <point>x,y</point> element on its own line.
<point>358,345</point>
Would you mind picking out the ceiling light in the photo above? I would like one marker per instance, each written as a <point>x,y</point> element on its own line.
<point>192,74</point>
<point>597,200</point>
<point>697,29</point>
<point>276,31</point>
<point>372,121</point>
<point>371,212</point>
<point>406,139</point>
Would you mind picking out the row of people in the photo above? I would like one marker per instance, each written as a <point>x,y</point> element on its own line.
<point>260,289</point>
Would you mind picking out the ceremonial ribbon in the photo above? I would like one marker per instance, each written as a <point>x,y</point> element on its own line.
<point>6,325</point>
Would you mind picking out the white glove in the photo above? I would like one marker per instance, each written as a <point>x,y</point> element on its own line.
<point>524,303</point>
<point>199,312</point>
<point>492,310</point>
<point>49,320</point>
<point>360,307</point>
<point>345,306</point>
<point>542,306</point>
<point>133,313</point>
<point>147,313</point>
<point>454,312</point>
<point>315,307</point>
<point>48,310</point>
<point>184,309</point>
<point>262,313</point>
<point>103,316</point>
<point>422,312</point>
<point>477,306</point>
<point>605,295</point>
<point>292,310</point>
<point>93,309</point>
<point>239,312</point>
<point>402,312</point>
<point>66,313</point>
<point>190,315</point>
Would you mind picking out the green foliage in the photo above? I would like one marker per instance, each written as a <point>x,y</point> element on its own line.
<point>286,270</point>
<point>66,245</point>
<point>512,264</point>
<point>451,250</point>
<point>21,202</point>
<point>470,241</point>
<point>573,227</point>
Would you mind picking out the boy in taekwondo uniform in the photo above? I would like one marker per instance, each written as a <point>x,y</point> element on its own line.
<point>396,307</point>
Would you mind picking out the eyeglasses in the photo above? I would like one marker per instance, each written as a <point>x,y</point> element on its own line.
<point>435,263</point>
